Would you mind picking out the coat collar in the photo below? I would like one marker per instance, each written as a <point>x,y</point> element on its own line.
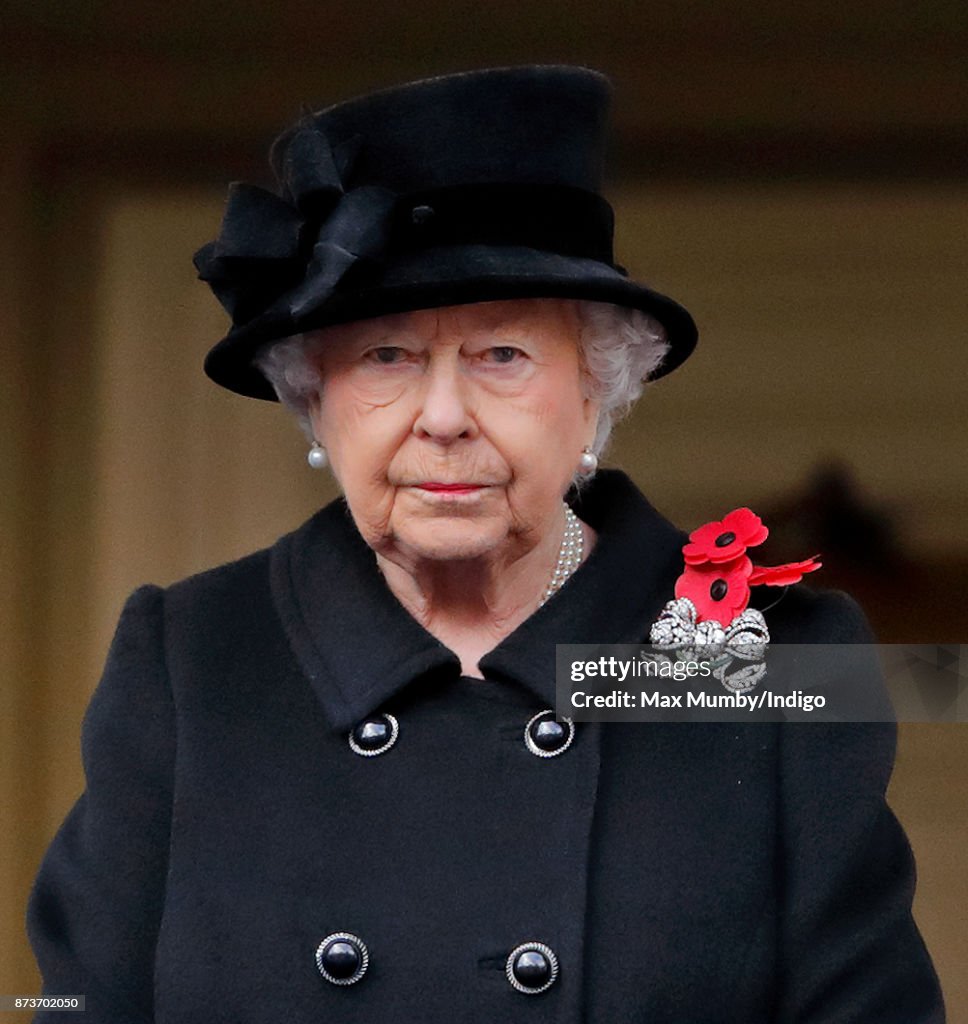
<point>358,646</point>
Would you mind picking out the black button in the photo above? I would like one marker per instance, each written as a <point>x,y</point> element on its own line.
<point>549,734</point>
<point>544,736</point>
<point>725,539</point>
<point>374,735</point>
<point>342,958</point>
<point>421,215</point>
<point>532,967</point>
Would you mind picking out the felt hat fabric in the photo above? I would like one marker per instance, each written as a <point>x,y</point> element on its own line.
<point>465,188</point>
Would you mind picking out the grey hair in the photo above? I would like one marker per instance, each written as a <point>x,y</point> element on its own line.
<point>620,349</point>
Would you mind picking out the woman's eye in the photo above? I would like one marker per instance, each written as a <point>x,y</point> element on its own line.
<point>386,354</point>
<point>504,353</point>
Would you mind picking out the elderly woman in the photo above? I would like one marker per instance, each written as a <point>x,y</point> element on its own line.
<point>326,782</point>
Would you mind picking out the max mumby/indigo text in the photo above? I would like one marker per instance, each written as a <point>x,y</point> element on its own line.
<point>765,700</point>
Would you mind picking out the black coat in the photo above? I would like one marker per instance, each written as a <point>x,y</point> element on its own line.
<point>680,872</point>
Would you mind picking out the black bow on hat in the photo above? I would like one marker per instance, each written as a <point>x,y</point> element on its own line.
<point>268,247</point>
<point>459,189</point>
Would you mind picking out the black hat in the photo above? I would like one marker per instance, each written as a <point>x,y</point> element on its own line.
<point>465,188</point>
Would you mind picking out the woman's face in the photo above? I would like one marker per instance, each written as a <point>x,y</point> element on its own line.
<point>454,432</point>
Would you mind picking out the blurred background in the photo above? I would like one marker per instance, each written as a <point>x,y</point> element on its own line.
<point>794,174</point>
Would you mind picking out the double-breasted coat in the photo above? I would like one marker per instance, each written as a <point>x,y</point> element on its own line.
<point>679,872</point>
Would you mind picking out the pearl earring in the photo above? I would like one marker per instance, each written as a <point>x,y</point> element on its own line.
<point>588,462</point>
<point>317,456</point>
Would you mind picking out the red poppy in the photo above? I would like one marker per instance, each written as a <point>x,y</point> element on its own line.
<point>726,539</point>
<point>719,592</point>
<point>783,575</point>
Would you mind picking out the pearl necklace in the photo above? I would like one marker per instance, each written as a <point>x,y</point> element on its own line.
<point>569,554</point>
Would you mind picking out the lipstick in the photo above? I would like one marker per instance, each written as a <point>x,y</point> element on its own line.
<point>448,488</point>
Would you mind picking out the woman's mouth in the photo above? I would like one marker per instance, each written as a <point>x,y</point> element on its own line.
<point>437,487</point>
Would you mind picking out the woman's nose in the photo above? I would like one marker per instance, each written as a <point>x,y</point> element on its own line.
<point>445,414</point>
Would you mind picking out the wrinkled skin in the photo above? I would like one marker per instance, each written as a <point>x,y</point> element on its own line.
<point>488,395</point>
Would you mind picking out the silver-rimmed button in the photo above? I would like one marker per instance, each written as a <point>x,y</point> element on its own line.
<point>342,958</point>
<point>545,736</point>
<point>374,735</point>
<point>532,967</point>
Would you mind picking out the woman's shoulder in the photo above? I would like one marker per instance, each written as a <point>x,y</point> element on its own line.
<point>810,614</point>
<point>243,577</point>
<point>221,604</point>
<point>218,596</point>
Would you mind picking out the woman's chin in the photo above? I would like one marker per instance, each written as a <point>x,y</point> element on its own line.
<point>451,538</point>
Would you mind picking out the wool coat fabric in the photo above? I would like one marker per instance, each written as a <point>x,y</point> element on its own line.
<point>681,872</point>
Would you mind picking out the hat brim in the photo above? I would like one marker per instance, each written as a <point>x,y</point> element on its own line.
<point>448,276</point>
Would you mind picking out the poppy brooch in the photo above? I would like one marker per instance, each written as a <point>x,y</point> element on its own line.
<point>710,611</point>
